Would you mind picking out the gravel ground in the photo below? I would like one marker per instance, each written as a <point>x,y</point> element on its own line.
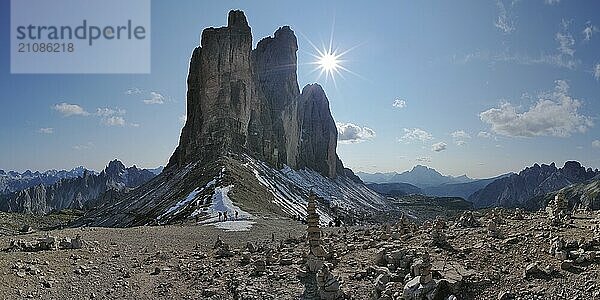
<point>179,262</point>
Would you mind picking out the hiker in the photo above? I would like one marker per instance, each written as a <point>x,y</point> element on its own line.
<point>224,216</point>
<point>219,216</point>
<point>236,215</point>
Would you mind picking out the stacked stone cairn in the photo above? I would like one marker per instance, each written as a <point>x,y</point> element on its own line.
<point>597,227</point>
<point>319,282</point>
<point>492,229</point>
<point>438,237</point>
<point>468,220</point>
<point>422,285</point>
<point>558,210</point>
<point>518,215</point>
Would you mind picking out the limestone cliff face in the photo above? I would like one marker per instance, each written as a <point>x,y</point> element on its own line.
<point>316,135</point>
<point>244,100</point>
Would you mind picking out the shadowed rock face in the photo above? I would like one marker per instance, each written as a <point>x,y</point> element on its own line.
<point>248,101</point>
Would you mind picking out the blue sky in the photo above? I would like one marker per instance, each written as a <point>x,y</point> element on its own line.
<point>480,87</point>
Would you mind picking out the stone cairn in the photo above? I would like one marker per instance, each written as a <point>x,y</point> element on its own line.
<point>558,210</point>
<point>596,228</point>
<point>492,229</point>
<point>438,237</point>
<point>468,220</point>
<point>319,282</point>
<point>422,285</point>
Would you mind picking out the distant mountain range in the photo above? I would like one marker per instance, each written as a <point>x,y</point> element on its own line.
<point>425,181</point>
<point>72,191</point>
<point>12,181</point>
<point>420,176</point>
<point>522,190</point>
<point>462,190</point>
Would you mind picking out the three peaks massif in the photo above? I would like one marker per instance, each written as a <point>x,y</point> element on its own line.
<point>250,128</point>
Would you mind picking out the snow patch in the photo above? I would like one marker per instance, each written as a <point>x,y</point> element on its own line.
<point>222,203</point>
<point>234,225</point>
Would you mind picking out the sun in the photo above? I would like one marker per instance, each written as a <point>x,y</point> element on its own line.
<point>329,62</point>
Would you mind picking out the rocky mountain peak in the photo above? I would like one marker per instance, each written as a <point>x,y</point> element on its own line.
<point>237,19</point>
<point>114,168</point>
<point>242,100</point>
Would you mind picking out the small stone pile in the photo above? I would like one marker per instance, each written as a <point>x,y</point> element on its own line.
<point>492,229</point>
<point>329,286</point>
<point>260,267</point>
<point>496,216</point>
<point>596,228</point>
<point>570,253</point>
<point>422,285</point>
<point>438,237</point>
<point>45,244</point>
<point>222,249</point>
<point>518,215</point>
<point>558,210</point>
<point>468,220</point>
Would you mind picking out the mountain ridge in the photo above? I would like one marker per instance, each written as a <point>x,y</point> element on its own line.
<point>537,180</point>
<point>419,175</point>
<point>13,181</point>
<point>74,192</point>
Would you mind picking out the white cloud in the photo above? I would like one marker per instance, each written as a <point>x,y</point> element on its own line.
<point>46,130</point>
<point>589,31</point>
<point>415,134</point>
<point>424,159</point>
<point>596,144</point>
<point>183,119</point>
<point>113,117</point>
<point>484,134</point>
<point>437,147</point>
<point>552,59</point>
<point>554,114</point>
<point>155,98</point>
<point>565,40</point>
<point>552,2</point>
<point>68,110</point>
<point>349,133</point>
<point>114,121</point>
<point>505,20</point>
<point>107,112</point>
<point>86,146</point>
<point>399,103</point>
<point>133,91</point>
<point>460,134</point>
<point>597,72</point>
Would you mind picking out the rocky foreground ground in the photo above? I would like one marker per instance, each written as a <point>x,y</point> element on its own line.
<point>520,257</point>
